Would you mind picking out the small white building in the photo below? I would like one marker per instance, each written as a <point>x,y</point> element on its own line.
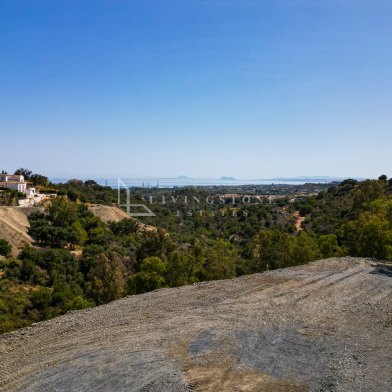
<point>15,182</point>
<point>30,192</point>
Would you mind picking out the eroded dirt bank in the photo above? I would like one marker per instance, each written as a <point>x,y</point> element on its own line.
<point>14,225</point>
<point>325,326</point>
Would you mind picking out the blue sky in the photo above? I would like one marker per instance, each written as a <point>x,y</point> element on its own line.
<point>250,89</point>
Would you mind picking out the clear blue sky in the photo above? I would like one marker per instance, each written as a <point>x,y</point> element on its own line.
<point>250,89</point>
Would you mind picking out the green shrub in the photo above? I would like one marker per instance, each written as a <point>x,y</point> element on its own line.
<point>5,247</point>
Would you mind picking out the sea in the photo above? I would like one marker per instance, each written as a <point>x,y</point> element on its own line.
<point>186,182</point>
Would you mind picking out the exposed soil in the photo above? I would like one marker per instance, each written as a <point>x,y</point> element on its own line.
<point>326,326</point>
<point>115,214</point>
<point>108,213</point>
<point>14,225</point>
<point>298,221</point>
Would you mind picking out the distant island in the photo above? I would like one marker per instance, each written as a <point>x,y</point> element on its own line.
<point>227,178</point>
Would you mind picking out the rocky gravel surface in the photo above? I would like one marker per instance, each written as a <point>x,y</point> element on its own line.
<point>326,326</point>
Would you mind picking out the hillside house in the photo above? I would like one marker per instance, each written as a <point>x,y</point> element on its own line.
<point>12,181</point>
<point>17,183</point>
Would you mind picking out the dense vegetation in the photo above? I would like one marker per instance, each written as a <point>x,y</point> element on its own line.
<point>80,262</point>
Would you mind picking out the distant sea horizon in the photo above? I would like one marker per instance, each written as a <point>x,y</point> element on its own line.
<point>183,181</point>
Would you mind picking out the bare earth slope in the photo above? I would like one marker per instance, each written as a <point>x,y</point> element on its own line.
<point>14,225</point>
<point>115,214</point>
<point>325,326</point>
<point>108,213</point>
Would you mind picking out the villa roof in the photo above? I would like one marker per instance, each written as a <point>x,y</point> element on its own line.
<point>11,176</point>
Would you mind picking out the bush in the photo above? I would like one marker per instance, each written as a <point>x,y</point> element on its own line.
<point>72,195</point>
<point>5,247</point>
<point>41,301</point>
<point>370,235</point>
<point>149,278</point>
<point>143,282</point>
<point>106,277</point>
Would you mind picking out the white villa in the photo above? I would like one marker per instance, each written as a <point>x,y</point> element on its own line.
<point>15,182</point>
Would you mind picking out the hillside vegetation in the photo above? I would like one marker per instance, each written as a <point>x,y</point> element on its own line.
<point>80,260</point>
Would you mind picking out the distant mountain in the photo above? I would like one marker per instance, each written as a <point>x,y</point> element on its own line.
<point>227,178</point>
<point>183,178</point>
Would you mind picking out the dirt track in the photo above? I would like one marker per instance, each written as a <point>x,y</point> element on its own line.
<point>298,221</point>
<point>321,327</point>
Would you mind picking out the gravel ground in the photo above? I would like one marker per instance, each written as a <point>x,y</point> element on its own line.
<point>326,326</point>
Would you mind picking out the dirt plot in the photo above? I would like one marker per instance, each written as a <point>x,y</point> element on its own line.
<point>326,326</point>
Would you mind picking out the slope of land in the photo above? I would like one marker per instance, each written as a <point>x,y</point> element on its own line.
<point>326,326</point>
<point>14,225</point>
<point>108,213</point>
<point>115,214</point>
